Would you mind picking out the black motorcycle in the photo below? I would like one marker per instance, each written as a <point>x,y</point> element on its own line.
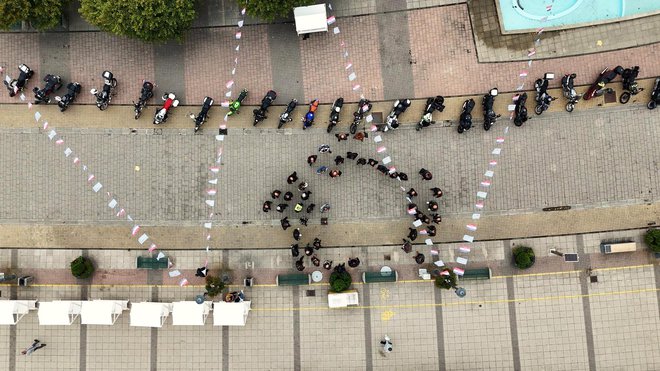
<point>203,115</point>
<point>629,76</point>
<point>53,83</point>
<point>520,110</point>
<point>364,106</point>
<point>598,88</point>
<point>146,93</point>
<point>489,114</point>
<point>400,106</point>
<point>73,89</point>
<point>432,104</point>
<point>543,99</point>
<point>18,85</point>
<point>286,115</point>
<point>267,101</point>
<point>334,113</point>
<point>655,95</point>
<point>568,89</point>
<point>465,121</point>
<point>104,96</point>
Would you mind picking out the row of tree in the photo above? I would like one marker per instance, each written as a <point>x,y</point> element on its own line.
<point>147,20</point>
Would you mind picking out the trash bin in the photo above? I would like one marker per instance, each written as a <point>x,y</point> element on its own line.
<point>25,280</point>
<point>247,282</point>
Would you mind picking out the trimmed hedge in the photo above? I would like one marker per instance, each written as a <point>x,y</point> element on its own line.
<point>82,267</point>
<point>340,281</point>
<point>523,257</point>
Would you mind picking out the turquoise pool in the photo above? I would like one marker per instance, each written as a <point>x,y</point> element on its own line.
<point>528,15</point>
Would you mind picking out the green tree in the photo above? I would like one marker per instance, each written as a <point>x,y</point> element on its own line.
<point>40,14</point>
<point>269,10</point>
<point>523,257</point>
<point>447,280</point>
<point>340,279</point>
<point>214,286</point>
<point>148,20</point>
<point>652,239</point>
<point>82,267</point>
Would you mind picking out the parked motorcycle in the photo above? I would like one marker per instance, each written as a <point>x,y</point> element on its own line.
<point>465,121</point>
<point>308,120</point>
<point>53,83</point>
<point>18,85</point>
<point>629,84</point>
<point>489,114</point>
<point>520,112</point>
<point>286,115</point>
<point>598,87</point>
<point>267,101</point>
<point>400,106</point>
<point>104,96</point>
<point>73,89</point>
<point>163,113</point>
<point>203,115</point>
<point>432,104</point>
<point>364,106</point>
<point>236,104</point>
<point>543,99</point>
<point>334,113</point>
<point>655,95</point>
<point>568,88</point>
<point>146,93</point>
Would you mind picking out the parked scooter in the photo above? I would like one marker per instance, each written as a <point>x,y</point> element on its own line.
<point>286,115</point>
<point>236,104</point>
<point>146,93</point>
<point>203,115</point>
<point>400,106</point>
<point>73,89</point>
<point>334,113</point>
<point>568,88</point>
<point>465,121</point>
<point>489,115</point>
<point>18,85</point>
<point>267,101</point>
<point>104,96</point>
<point>520,111</point>
<point>364,106</point>
<point>629,84</point>
<point>432,104</point>
<point>543,99</point>
<point>163,113</point>
<point>655,95</point>
<point>53,83</point>
<point>598,87</point>
<point>308,120</point>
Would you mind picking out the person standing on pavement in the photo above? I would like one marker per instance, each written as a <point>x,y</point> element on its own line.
<point>275,194</point>
<point>266,207</point>
<point>324,148</point>
<point>311,160</point>
<point>351,155</point>
<point>339,160</point>
<point>292,178</point>
<point>341,136</point>
<point>437,219</point>
<point>437,192</point>
<point>426,175</point>
<point>296,234</point>
<point>335,173</point>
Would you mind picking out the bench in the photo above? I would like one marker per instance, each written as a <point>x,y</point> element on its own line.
<point>295,279</point>
<point>147,262</point>
<point>477,274</point>
<point>372,277</point>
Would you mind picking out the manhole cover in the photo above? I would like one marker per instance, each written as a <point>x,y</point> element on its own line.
<point>593,279</point>
<point>378,117</point>
<point>388,257</point>
<point>310,292</point>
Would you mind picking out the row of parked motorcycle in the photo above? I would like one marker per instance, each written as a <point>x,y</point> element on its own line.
<point>543,99</point>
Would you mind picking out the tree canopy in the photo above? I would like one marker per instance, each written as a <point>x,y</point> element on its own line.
<point>269,10</point>
<point>40,14</point>
<point>148,20</point>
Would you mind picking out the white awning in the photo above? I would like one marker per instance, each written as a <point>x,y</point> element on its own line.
<point>311,18</point>
<point>150,314</point>
<point>342,299</point>
<point>230,314</point>
<point>11,311</point>
<point>101,312</point>
<point>189,313</point>
<point>58,312</point>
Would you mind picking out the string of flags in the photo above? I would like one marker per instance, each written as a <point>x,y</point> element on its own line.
<point>211,190</point>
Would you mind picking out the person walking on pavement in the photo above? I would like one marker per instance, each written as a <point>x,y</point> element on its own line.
<point>324,148</point>
<point>437,192</point>
<point>292,178</point>
<point>36,345</point>
<point>311,160</point>
<point>426,175</point>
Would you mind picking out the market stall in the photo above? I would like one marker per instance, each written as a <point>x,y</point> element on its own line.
<point>102,312</point>
<point>11,311</point>
<point>230,314</point>
<point>310,19</point>
<point>148,314</point>
<point>189,313</point>
<point>59,313</point>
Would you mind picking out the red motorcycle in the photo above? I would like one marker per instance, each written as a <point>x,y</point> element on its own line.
<point>163,113</point>
<point>598,87</point>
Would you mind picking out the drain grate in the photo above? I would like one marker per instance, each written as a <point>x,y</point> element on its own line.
<point>310,293</point>
<point>593,279</point>
<point>388,257</point>
<point>378,117</point>
<point>610,97</point>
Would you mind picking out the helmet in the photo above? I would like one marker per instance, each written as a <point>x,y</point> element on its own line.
<point>309,116</point>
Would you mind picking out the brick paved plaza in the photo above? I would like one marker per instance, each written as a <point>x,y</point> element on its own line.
<point>600,163</point>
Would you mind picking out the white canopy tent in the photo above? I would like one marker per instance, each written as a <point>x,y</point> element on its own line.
<point>310,19</point>
<point>11,311</point>
<point>62,312</point>
<point>150,314</point>
<point>342,299</point>
<point>102,312</point>
<point>189,313</point>
<point>230,314</point>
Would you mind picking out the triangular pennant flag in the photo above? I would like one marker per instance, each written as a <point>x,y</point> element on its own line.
<point>238,35</point>
<point>45,125</point>
<point>210,202</point>
<point>143,238</point>
<point>331,20</point>
<point>183,282</point>
<point>238,47</point>
<point>135,230</point>
<point>240,23</point>
<point>229,84</point>
<point>121,213</point>
<point>37,116</point>
<point>152,247</point>
<point>224,104</point>
<point>208,225</point>
<point>59,141</point>
<point>160,255</point>
<point>112,204</point>
<point>214,181</point>
<point>211,191</point>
